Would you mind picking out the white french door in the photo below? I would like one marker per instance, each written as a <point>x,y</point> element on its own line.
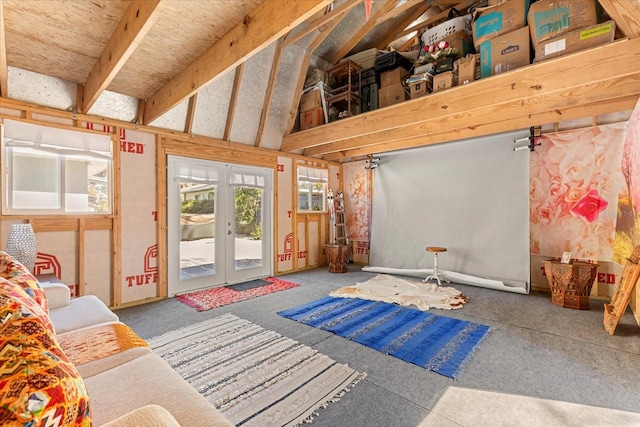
<point>219,219</point>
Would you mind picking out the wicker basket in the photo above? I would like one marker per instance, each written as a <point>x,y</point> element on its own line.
<point>570,283</point>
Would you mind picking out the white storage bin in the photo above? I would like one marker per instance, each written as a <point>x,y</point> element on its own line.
<point>437,33</point>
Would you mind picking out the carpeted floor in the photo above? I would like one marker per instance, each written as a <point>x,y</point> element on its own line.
<point>543,365</point>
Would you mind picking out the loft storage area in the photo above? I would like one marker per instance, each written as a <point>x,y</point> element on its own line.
<point>482,40</point>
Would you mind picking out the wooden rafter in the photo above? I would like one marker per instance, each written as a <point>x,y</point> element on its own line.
<point>434,19</point>
<point>362,31</point>
<point>400,9</point>
<point>262,26</point>
<point>626,14</point>
<point>191,111</point>
<point>391,36</point>
<point>552,85</point>
<point>266,104</point>
<point>4,72</point>
<point>315,24</point>
<point>233,101</point>
<point>132,28</point>
<point>305,66</point>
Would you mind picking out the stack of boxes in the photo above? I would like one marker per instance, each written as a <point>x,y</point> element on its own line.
<point>561,27</point>
<point>393,69</point>
<point>501,36</point>
<point>391,88</point>
<point>311,107</point>
<point>507,34</point>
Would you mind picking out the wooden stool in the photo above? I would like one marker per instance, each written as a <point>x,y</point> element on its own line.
<point>436,274</point>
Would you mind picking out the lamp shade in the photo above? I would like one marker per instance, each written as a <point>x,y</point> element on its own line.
<point>21,244</point>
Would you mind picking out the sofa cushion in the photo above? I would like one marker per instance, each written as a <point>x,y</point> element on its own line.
<point>87,310</point>
<point>150,380</point>
<point>146,416</point>
<point>38,384</point>
<point>17,273</point>
<point>58,294</point>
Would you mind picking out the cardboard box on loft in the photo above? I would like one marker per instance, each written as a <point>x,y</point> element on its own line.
<point>418,89</point>
<point>506,52</point>
<point>574,41</point>
<point>392,77</point>
<point>442,81</point>
<point>391,95</point>
<point>467,69</point>
<point>550,18</point>
<point>311,118</point>
<point>493,21</point>
<point>462,41</point>
<point>310,100</point>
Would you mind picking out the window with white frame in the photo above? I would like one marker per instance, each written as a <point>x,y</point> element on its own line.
<point>48,170</point>
<point>312,189</point>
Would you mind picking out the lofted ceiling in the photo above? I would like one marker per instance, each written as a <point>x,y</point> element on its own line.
<point>234,70</point>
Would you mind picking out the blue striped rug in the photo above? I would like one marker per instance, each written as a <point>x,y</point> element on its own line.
<point>437,343</point>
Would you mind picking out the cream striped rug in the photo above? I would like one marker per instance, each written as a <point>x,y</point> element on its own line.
<point>255,377</point>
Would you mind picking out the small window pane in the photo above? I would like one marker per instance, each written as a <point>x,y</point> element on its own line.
<point>312,189</point>
<point>35,178</point>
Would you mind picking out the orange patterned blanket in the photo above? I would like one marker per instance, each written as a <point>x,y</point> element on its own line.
<point>95,343</point>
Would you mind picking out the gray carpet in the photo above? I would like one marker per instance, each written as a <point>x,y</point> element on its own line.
<point>541,364</point>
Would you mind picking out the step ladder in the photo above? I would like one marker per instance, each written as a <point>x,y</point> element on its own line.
<point>341,232</point>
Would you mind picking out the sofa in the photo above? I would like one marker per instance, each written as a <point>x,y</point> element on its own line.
<point>70,362</point>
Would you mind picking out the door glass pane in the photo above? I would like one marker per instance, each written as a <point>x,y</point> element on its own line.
<point>248,227</point>
<point>197,229</point>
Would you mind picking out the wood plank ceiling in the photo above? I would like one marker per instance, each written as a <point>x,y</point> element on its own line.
<point>164,52</point>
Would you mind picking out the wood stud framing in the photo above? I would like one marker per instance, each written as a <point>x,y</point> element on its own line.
<point>3,57</point>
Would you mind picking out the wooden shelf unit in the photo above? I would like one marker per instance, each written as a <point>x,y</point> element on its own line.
<point>346,95</point>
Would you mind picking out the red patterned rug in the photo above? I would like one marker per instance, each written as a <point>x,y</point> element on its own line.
<point>218,297</point>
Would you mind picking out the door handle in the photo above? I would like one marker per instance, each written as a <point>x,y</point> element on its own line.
<point>229,232</point>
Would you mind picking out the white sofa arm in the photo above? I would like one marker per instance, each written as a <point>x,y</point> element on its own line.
<point>146,416</point>
<point>58,294</point>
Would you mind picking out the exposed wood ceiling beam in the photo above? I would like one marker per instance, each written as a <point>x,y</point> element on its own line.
<point>362,31</point>
<point>233,102</point>
<point>269,21</point>
<point>191,111</point>
<point>315,24</point>
<point>523,122</point>
<point>523,87</point>
<point>626,14</point>
<point>266,104</point>
<point>325,32</point>
<point>391,36</point>
<point>4,71</point>
<point>436,18</point>
<point>400,9</point>
<point>132,28</point>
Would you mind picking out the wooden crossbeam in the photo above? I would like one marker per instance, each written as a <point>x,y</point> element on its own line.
<point>131,30</point>
<point>488,128</point>
<point>523,86</point>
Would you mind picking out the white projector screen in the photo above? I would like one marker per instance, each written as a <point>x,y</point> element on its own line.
<point>470,196</point>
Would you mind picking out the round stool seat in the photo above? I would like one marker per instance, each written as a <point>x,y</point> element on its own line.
<point>437,275</point>
<point>436,249</point>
